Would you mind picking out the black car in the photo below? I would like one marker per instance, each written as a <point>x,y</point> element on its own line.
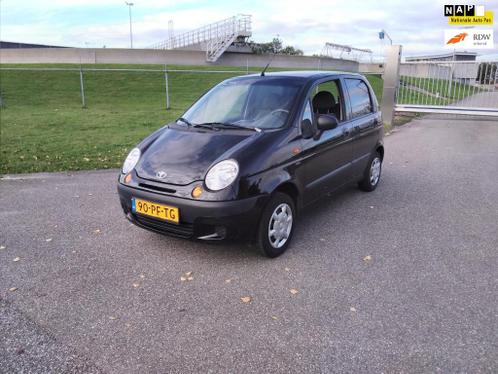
<point>251,153</point>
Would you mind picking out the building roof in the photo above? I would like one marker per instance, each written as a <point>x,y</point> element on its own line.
<point>441,55</point>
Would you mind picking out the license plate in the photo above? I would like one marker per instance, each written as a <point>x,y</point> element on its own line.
<point>147,208</point>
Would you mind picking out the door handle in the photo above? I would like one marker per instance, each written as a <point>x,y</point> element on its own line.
<point>345,132</point>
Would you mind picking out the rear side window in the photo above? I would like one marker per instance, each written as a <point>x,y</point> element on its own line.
<point>361,102</point>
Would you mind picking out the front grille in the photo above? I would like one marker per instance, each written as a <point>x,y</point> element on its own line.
<point>156,188</point>
<point>183,230</point>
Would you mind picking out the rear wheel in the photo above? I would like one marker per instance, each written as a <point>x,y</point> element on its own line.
<point>277,225</point>
<point>371,176</point>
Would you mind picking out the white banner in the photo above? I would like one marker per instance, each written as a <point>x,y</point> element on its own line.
<point>468,38</point>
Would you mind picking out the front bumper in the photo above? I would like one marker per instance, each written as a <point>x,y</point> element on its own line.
<point>208,220</point>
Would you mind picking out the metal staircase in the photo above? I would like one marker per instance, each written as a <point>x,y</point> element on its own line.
<point>214,38</point>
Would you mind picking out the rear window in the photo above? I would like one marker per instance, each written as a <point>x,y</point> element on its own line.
<point>361,102</point>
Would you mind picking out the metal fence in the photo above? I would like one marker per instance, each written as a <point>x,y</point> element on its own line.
<point>165,74</point>
<point>460,87</point>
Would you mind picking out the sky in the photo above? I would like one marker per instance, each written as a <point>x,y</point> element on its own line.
<point>416,24</point>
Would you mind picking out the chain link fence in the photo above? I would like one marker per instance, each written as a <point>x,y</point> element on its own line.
<point>96,85</point>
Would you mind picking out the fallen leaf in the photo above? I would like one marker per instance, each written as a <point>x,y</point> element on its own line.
<point>136,285</point>
<point>183,279</point>
<point>12,289</point>
<point>97,231</point>
<point>86,159</point>
<point>293,291</point>
<point>16,259</point>
<point>190,279</point>
<point>113,318</point>
<point>188,273</point>
<point>48,240</point>
<point>353,309</point>
<point>228,280</point>
<point>274,317</point>
<point>287,269</point>
<point>2,247</point>
<point>367,258</point>
<point>246,299</point>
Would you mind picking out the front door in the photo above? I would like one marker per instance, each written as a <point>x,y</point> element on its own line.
<point>327,157</point>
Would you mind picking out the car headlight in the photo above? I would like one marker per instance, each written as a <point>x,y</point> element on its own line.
<point>131,160</point>
<point>222,175</point>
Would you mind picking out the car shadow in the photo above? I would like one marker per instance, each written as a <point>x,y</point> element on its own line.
<point>239,250</point>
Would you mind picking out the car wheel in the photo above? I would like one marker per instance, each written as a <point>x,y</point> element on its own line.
<point>371,176</point>
<point>277,225</point>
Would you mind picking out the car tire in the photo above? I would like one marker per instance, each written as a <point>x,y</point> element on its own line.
<point>372,173</point>
<point>278,216</point>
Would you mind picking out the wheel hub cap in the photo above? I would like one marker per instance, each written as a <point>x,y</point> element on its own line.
<point>280,225</point>
<point>375,171</point>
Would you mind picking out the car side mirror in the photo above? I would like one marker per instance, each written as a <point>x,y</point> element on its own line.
<point>327,122</point>
<point>307,128</point>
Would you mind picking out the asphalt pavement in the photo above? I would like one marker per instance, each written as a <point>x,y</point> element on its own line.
<point>404,279</point>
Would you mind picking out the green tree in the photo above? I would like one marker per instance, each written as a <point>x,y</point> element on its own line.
<point>275,46</point>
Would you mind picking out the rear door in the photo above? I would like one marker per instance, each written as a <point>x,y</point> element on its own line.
<point>365,120</point>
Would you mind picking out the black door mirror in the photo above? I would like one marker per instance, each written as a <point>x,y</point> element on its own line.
<point>327,122</point>
<point>307,128</point>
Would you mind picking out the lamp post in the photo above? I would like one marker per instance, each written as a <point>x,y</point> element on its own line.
<point>131,32</point>
<point>383,33</point>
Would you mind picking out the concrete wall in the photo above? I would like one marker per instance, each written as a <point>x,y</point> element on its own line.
<point>170,57</point>
<point>377,68</point>
<point>462,70</point>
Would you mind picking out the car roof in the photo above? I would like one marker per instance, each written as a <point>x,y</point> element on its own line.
<point>305,74</point>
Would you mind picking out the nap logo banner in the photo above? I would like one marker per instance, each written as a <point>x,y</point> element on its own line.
<point>468,38</point>
<point>468,15</point>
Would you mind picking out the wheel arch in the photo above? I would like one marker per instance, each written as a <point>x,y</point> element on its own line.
<point>380,150</point>
<point>290,189</point>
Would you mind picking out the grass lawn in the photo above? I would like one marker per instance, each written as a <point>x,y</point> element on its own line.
<point>44,128</point>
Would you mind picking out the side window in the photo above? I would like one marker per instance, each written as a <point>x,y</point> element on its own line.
<point>361,103</point>
<point>327,99</point>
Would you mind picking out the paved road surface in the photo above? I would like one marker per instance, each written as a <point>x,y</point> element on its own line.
<point>112,300</point>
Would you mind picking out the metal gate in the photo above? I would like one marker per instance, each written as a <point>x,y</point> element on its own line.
<point>453,87</point>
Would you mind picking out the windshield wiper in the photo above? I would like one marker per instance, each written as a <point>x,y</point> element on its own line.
<point>207,125</point>
<point>186,121</point>
<point>229,125</point>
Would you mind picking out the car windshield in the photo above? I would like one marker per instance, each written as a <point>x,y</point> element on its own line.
<point>250,103</point>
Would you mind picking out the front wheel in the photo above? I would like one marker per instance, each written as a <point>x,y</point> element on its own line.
<point>276,225</point>
<point>371,176</point>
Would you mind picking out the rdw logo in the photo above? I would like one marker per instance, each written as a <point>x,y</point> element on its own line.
<point>482,36</point>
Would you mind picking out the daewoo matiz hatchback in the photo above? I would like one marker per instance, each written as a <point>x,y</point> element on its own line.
<point>251,153</point>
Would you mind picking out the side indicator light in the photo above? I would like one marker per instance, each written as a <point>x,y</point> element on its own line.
<point>196,192</point>
<point>296,151</point>
<point>127,179</point>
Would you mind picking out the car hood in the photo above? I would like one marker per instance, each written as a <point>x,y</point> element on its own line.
<point>182,156</point>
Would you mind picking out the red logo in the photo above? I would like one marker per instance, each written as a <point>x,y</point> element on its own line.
<point>457,38</point>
